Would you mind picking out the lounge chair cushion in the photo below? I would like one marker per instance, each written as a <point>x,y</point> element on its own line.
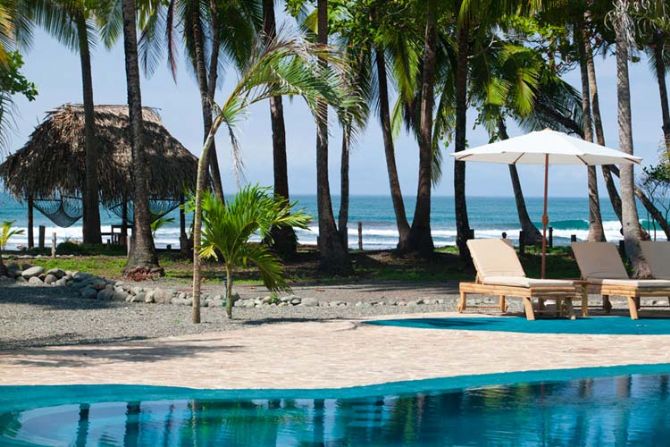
<point>522,281</point>
<point>599,260</point>
<point>657,254</point>
<point>638,283</point>
<point>494,257</point>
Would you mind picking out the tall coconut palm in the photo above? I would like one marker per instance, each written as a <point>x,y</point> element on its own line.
<point>284,238</point>
<point>279,67</point>
<point>142,259</point>
<point>623,28</point>
<point>332,250</point>
<point>580,35</point>
<point>74,24</point>
<point>211,32</point>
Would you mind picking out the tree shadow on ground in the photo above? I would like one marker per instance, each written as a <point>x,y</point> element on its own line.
<point>147,352</point>
<point>55,297</point>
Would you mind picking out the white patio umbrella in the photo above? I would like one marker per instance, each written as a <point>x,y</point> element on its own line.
<point>546,147</point>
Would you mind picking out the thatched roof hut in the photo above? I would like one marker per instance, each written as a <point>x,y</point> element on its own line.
<point>52,162</point>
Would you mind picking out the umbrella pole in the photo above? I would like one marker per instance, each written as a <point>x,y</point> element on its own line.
<point>545,218</point>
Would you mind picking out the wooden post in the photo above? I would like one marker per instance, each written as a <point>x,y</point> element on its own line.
<point>573,238</point>
<point>360,236</point>
<point>41,236</point>
<point>54,240</point>
<point>124,221</point>
<point>471,234</point>
<point>522,242</point>
<point>551,237</point>
<point>31,239</point>
<point>504,235</point>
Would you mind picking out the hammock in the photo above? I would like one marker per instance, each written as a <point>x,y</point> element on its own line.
<point>61,210</point>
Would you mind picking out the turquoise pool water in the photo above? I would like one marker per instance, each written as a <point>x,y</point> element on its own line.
<point>596,406</point>
<point>613,325</point>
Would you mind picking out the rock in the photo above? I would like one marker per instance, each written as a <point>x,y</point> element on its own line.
<point>81,276</point>
<point>137,290</point>
<point>162,296</point>
<point>50,278</point>
<point>106,294</point>
<point>334,303</point>
<point>182,296</point>
<point>61,282</point>
<point>287,298</point>
<point>413,303</point>
<point>35,281</point>
<point>358,304</point>
<point>309,302</point>
<point>32,272</point>
<point>295,301</point>
<point>149,296</point>
<point>58,273</point>
<point>266,299</point>
<point>21,280</point>
<point>88,292</point>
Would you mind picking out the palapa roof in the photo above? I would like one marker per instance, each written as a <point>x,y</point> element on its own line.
<point>52,161</point>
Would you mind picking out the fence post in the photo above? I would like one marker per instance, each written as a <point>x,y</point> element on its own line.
<point>573,238</point>
<point>41,236</point>
<point>504,235</point>
<point>53,245</point>
<point>551,237</point>
<point>360,235</point>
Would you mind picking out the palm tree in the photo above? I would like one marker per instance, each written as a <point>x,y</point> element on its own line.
<point>580,35</point>
<point>210,31</point>
<point>632,233</point>
<point>279,67</point>
<point>332,251</point>
<point>6,233</point>
<point>142,259</point>
<point>420,239</point>
<point>229,227</point>
<point>72,23</point>
<point>285,240</point>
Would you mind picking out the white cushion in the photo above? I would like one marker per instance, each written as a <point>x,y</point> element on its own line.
<point>599,260</point>
<point>657,255</point>
<point>494,257</point>
<point>522,281</point>
<point>639,283</point>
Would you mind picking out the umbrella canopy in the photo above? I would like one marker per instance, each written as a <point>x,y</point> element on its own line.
<point>534,147</point>
<point>546,147</point>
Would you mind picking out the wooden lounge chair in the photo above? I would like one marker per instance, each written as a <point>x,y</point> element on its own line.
<point>500,273</point>
<point>657,255</point>
<point>604,273</point>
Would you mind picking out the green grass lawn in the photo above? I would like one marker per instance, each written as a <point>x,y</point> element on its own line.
<point>382,265</point>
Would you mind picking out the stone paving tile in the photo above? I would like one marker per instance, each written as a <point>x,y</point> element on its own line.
<point>322,354</point>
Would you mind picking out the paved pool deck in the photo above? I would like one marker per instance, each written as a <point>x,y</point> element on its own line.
<point>322,354</point>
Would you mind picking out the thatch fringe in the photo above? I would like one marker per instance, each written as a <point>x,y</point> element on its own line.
<point>52,162</point>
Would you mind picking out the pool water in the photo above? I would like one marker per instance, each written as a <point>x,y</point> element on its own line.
<point>601,325</point>
<point>627,409</point>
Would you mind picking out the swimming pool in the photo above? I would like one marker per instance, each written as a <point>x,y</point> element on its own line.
<point>601,325</point>
<point>622,405</point>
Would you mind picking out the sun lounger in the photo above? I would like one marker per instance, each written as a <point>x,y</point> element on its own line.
<point>657,255</point>
<point>500,273</point>
<point>604,273</point>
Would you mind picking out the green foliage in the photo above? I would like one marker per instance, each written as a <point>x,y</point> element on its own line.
<point>12,81</point>
<point>228,229</point>
<point>73,248</point>
<point>159,223</point>
<point>7,232</point>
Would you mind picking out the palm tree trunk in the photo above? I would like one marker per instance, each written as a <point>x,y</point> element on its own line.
<point>285,241</point>
<point>659,66</point>
<point>205,98</point>
<point>631,224</point>
<point>91,217</point>
<point>531,234</point>
<point>420,238</point>
<point>596,231</point>
<point>612,191</point>
<point>462,223</point>
<point>229,291</point>
<point>200,184</point>
<point>333,255</point>
<point>343,217</point>
<point>31,238</point>
<point>389,152</point>
<point>142,256</point>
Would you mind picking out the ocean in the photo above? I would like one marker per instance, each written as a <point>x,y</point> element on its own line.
<point>489,217</point>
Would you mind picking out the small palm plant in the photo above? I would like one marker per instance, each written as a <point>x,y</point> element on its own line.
<point>159,223</point>
<point>229,227</point>
<point>6,233</point>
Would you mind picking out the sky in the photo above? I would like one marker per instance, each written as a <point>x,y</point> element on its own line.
<point>56,72</point>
